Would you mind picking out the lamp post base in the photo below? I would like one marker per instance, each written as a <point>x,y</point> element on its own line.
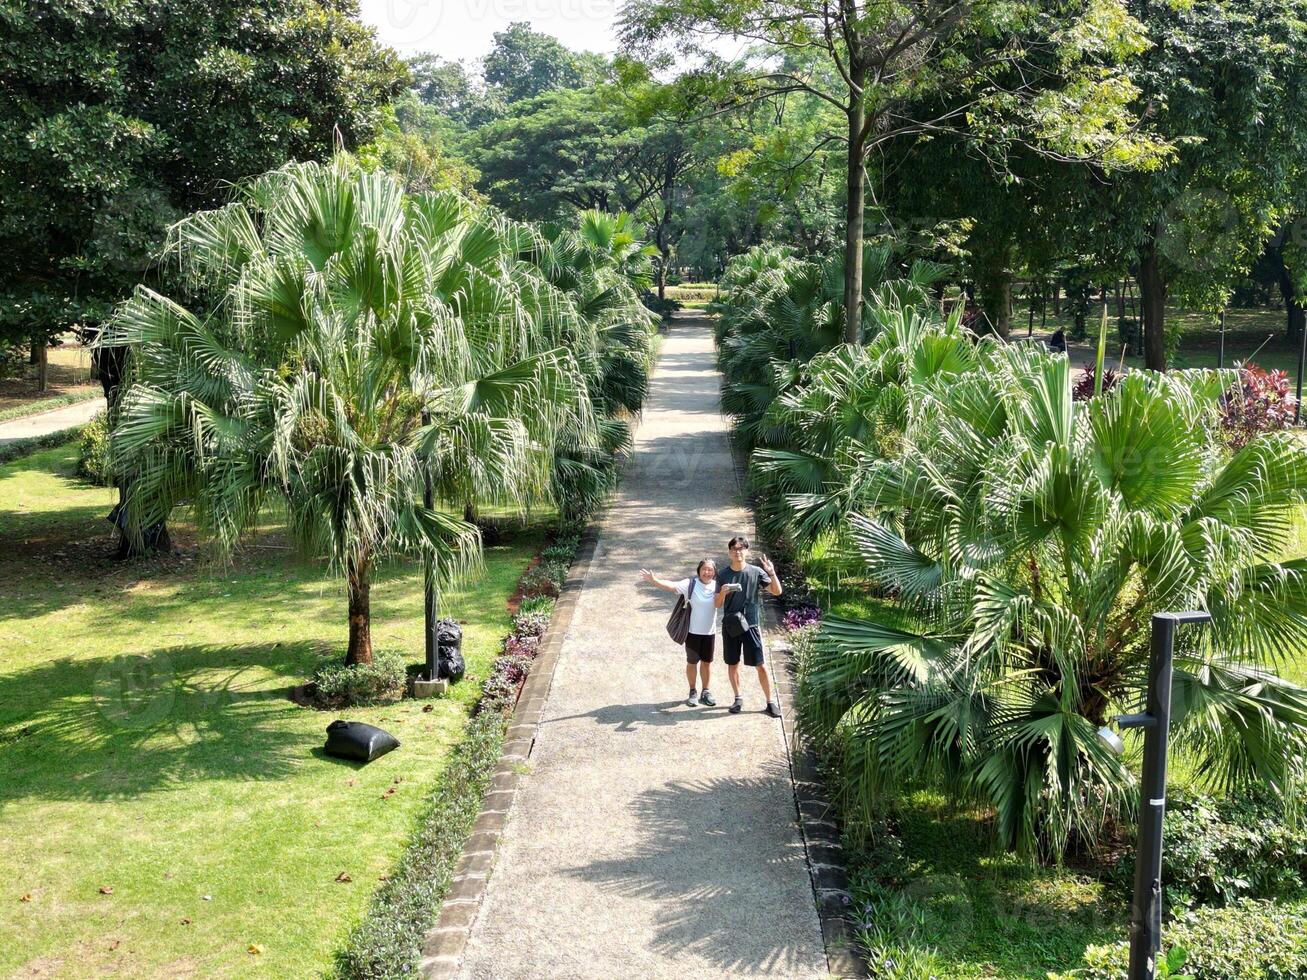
<point>429,689</point>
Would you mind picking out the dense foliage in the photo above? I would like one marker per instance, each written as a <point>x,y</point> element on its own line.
<point>118,118</point>
<point>1024,538</point>
<point>1248,941</point>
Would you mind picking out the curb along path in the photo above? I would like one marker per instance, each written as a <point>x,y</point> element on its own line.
<point>644,837</point>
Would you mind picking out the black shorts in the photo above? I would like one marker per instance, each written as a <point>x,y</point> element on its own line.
<point>698,647</point>
<point>749,643</point>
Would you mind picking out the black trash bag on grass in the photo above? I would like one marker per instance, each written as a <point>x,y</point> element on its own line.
<point>358,741</point>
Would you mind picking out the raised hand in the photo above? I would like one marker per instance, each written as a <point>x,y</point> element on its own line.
<point>646,576</point>
<point>767,566</point>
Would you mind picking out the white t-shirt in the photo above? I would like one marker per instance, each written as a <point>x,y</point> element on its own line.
<point>703,614</point>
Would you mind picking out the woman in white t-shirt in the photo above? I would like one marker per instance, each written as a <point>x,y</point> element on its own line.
<point>701,591</point>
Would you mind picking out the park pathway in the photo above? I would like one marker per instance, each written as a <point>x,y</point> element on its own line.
<point>45,423</point>
<point>650,839</point>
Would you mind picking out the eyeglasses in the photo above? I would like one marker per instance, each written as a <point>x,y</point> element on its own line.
<point>740,547</point>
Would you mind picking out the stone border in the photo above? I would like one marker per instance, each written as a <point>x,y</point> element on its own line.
<point>813,810</point>
<point>446,941</point>
<point>821,832</point>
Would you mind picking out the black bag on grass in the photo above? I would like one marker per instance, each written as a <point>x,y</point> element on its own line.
<point>449,649</point>
<point>355,740</point>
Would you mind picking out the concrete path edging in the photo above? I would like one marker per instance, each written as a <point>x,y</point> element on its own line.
<point>442,950</point>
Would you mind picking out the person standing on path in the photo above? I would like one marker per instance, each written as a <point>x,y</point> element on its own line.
<point>739,592</point>
<point>700,592</point>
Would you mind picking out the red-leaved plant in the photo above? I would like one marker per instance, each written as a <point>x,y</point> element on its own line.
<point>1084,388</point>
<point>1260,402</point>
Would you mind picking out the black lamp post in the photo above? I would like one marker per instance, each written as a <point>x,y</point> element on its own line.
<point>428,586</point>
<point>1146,909</point>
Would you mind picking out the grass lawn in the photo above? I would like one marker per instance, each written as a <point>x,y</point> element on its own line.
<point>149,747</point>
<point>1249,333</point>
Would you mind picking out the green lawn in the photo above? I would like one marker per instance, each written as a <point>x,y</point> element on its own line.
<point>149,746</point>
<point>1256,334</point>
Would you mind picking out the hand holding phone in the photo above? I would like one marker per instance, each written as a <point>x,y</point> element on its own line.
<point>732,587</point>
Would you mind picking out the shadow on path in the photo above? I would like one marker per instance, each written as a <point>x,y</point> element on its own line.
<point>698,858</point>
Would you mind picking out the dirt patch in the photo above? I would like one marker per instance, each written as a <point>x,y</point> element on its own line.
<point>515,600</point>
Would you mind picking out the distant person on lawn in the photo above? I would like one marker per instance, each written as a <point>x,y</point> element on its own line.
<point>739,590</point>
<point>700,591</point>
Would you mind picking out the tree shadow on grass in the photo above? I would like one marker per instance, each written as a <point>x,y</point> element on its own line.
<point>121,727</point>
<point>723,860</point>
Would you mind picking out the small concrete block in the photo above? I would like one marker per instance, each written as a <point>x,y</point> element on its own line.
<point>430,689</point>
<point>499,802</point>
<point>504,780</point>
<point>824,853</point>
<point>475,865</point>
<point>460,916</point>
<point>489,823</point>
<point>442,942</point>
<point>480,843</point>
<point>464,891</point>
<point>438,967</point>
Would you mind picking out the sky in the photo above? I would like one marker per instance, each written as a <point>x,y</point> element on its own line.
<point>461,30</point>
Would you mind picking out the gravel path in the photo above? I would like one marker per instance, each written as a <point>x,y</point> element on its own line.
<point>34,426</point>
<point>651,839</point>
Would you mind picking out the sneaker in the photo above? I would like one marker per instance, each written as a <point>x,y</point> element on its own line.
<point>772,709</point>
<point>707,699</point>
<point>693,699</point>
<point>738,706</point>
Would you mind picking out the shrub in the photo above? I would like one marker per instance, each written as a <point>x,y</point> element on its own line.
<point>522,646</point>
<point>800,616</point>
<point>1260,402</point>
<point>1084,388</point>
<point>1222,850</point>
<point>540,581</point>
<point>380,682</point>
<point>13,359</point>
<point>542,604</point>
<point>530,623</point>
<point>1248,941</point>
<point>560,552</point>
<point>93,451</point>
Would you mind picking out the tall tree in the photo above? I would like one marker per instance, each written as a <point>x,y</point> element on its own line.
<point>1045,75</point>
<point>117,118</point>
<point>1227,82</point>
<point>524,63</point>
<point>370,341</point>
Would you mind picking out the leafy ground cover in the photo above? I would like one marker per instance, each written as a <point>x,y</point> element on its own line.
<point>166,808</point>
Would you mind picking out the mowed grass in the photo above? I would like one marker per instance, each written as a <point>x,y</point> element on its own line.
<point>165,809</point>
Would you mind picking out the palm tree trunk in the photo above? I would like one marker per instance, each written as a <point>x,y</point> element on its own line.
<point>359,576</point>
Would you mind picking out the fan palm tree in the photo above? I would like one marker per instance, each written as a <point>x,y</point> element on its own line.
<point>366,343</point>
<point>1025,540</point>
<point>779,311</point>
<point>846,407</point>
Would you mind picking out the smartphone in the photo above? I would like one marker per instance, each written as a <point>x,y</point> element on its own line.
<point>732,587</point>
